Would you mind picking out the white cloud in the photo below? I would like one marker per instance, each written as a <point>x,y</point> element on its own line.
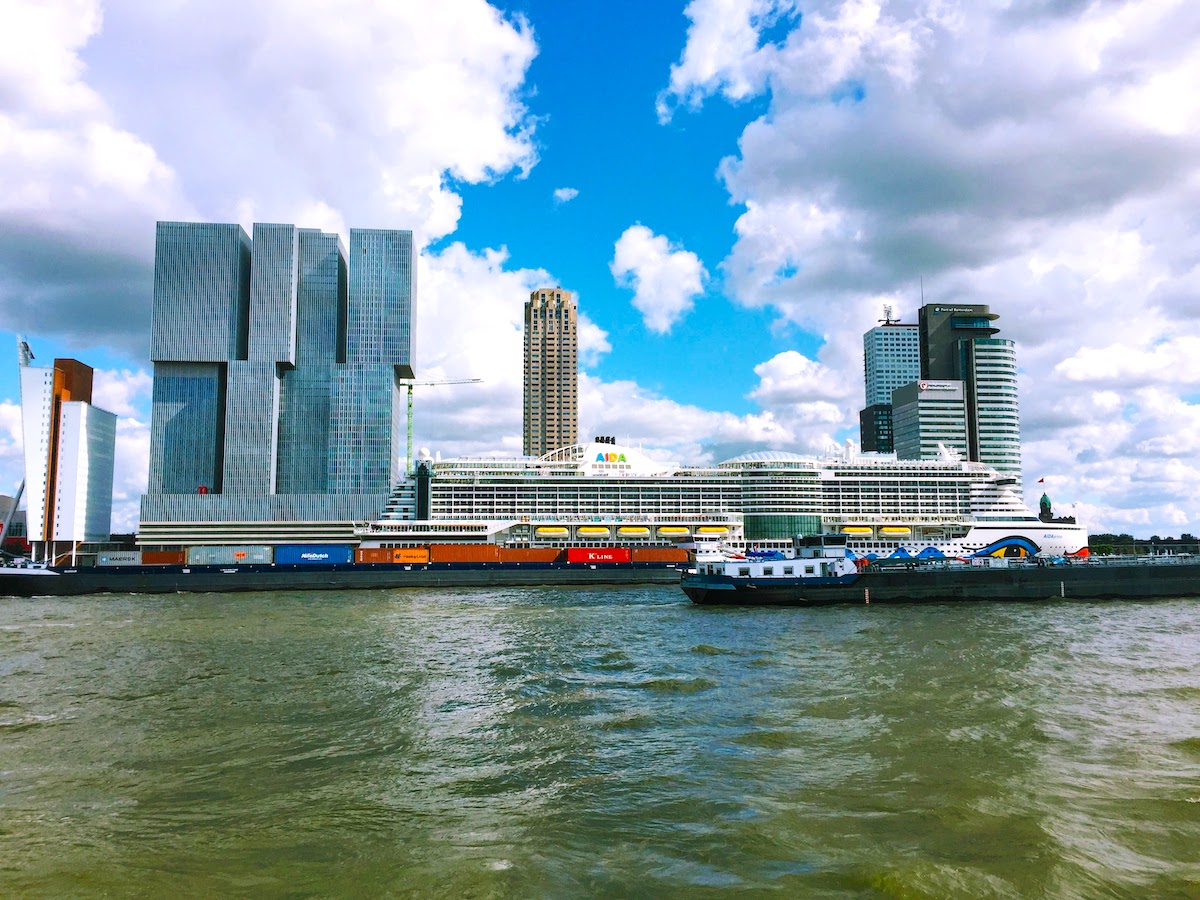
<point>12,459</point>
<point>309,111</point>
<point>665,278</point>
<point>1038,157</point>
<point>722,52</point>
<point>132,461</point>
<point>565,194</point>
<point>125,393</point>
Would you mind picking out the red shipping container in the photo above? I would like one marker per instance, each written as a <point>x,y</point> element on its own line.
<point>659,554</point>
<point>597,554</point>
<point>530,554</point>
<point>164,557</point>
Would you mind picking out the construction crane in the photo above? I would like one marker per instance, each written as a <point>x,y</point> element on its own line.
<point>412,384</point>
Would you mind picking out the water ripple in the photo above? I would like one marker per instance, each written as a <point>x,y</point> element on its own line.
<point>609,742</point>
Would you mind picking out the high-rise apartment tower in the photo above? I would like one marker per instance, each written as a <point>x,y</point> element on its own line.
<point>69,456</point>
<point>551,412</point>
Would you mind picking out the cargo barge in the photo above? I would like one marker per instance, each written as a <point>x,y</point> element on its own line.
<point>341,567</point>
<point>819,572</point>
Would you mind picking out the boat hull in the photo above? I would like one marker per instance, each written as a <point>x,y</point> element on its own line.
<point>1074,581</point>
<point>237,579</point>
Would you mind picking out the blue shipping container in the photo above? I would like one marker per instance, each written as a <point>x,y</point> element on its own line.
<point>302,554</point>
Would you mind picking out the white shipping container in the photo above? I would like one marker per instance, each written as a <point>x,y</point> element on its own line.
<point>241,555</point>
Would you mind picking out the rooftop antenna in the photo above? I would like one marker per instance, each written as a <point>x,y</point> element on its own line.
<point>922,290</point>
<point>887,315</point>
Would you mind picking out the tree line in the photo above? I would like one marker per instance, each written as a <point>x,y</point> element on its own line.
<point>1128,545</point>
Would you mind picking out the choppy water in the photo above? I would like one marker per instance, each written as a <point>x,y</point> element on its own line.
<point>547,743</point>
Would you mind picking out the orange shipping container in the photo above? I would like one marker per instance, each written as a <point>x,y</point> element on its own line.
<point>163,557</point>
<point>464,553</point>
<point>409,555</point>
<point>530,554</point>
<point>373,555</point>
<point>659,554</point>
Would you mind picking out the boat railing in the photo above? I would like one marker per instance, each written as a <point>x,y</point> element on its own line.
<point>891,564</point>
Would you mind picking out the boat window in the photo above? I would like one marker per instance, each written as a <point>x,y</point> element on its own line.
<point>788,570</point>
<point>744,571</point>
<point>768,570</point>
<point>808,570</point>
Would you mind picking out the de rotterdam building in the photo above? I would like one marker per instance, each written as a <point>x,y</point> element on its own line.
<point>278,358</point>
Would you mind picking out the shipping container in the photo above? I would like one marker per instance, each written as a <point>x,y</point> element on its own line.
<point>226,555</point>
<point>530,554</point>
<point>597,554</point>
<point>163,557</point>
<point>409,554</point>
<point>439,553</point>
<point>659,554</point>
<point>373,555</point>
<point>119,558</point>
<point>312,554</point>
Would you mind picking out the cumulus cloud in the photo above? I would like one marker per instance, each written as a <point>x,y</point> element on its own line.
<point>291,112</point>
<point>12,460</point>
<point>665,278</point>
<point>676,431</point>
<point>565,194</point>
<point>723,52</point>
<point>1040,158</point>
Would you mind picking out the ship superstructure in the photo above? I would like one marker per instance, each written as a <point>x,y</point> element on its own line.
<point>603,494</point>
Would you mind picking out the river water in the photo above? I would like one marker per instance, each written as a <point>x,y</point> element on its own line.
<point>600,742</point>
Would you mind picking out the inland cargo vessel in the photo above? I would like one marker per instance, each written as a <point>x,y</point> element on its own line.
<point>820,571</point>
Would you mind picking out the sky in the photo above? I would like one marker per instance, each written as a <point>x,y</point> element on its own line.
<point>733,189</point>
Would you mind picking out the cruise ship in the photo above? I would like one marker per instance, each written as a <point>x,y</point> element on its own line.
<point>603,494</point>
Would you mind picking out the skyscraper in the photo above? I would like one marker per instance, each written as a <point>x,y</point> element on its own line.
<point>276,369</point>
<point>891,359</point>
<point>958,342</point>
<point>69,453</point>
<point>551,415</point>
<point>949,345</point>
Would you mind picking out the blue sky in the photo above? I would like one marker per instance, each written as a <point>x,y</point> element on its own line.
<point>733,190</point>
<point>598,134</point>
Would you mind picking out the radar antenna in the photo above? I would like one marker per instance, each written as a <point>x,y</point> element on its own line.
<point>888,315</point>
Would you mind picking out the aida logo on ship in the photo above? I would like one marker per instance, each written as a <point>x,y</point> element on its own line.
<point>610,457</point>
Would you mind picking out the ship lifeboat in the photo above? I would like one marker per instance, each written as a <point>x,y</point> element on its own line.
<point>856,529</point>
<point>552,531</point>
<point>633,530</point>
<point>895,530</point>
<point>673,531</point>
<point>593,530</point>
<point>712,529</point>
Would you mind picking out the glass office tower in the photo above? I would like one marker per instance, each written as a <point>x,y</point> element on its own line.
<point>891,359</point>
<point>276,368</point>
